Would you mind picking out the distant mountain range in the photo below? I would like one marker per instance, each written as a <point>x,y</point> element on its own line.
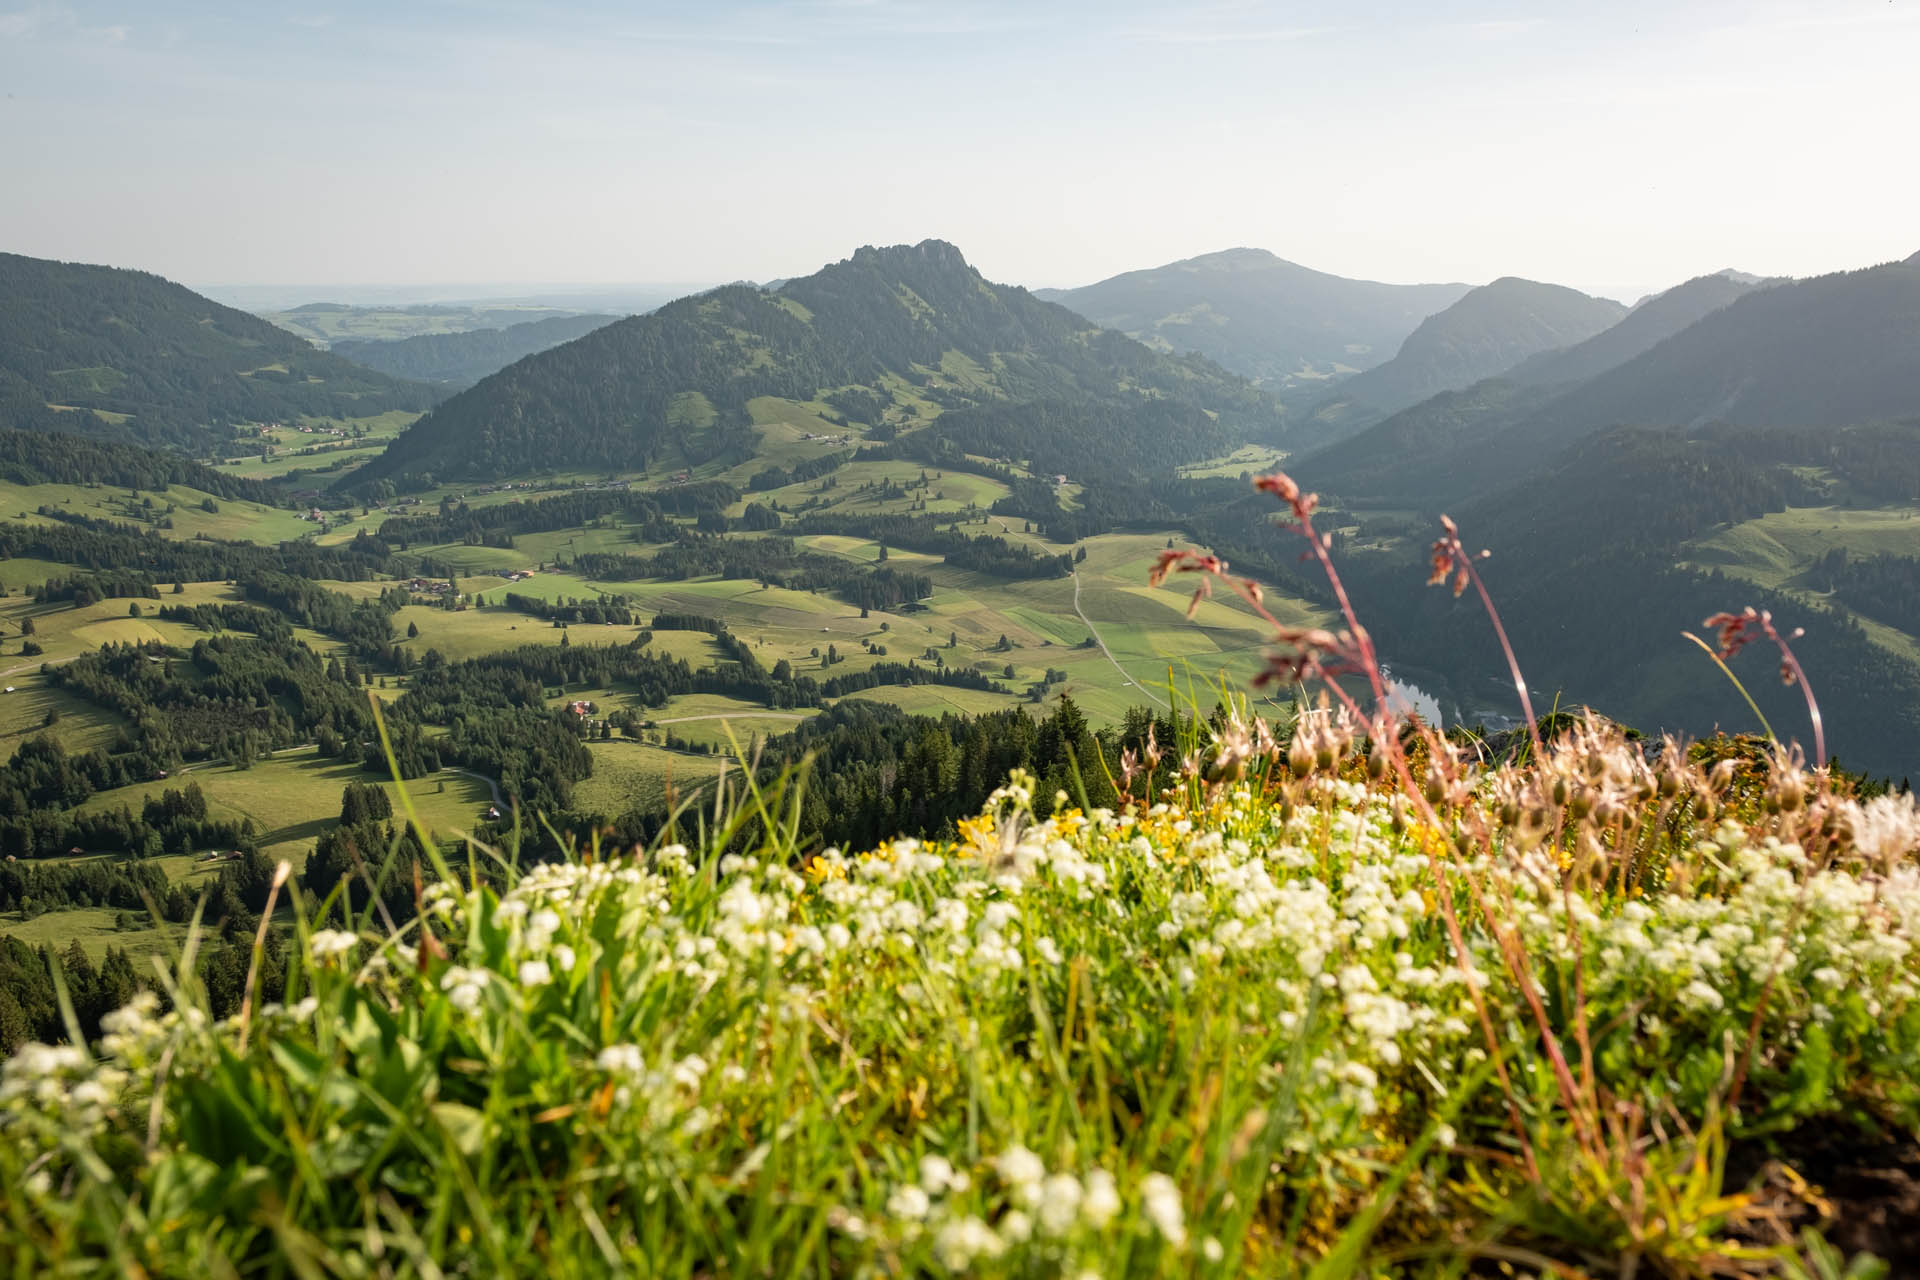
<point>1652,321</point>
<point>887,342</point>
<point>128,355</point>
<point>326,323</point>
<point>1831,351</point>
<point>1488,331</point>
<point>1274,321</point>
<point>458,360</point>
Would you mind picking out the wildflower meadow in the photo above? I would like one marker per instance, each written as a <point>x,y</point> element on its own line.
<point>1345,997</point>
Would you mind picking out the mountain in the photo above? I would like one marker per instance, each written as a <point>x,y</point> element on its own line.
<point>1268,319</point>
<point>1652,322</point>
<point>882,344</point>
<point>1591,570</point>
<point>1831,351</point>
<point>1426,451</point>
<point>1486,332</point>
<point>128,355</point>
<point>1421,455</point>
<point>462,359</point>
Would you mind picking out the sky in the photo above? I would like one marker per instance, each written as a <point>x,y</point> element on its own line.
<point>1619,147</point>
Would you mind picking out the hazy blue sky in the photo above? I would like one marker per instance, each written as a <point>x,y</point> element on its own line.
<point>1615,145</point>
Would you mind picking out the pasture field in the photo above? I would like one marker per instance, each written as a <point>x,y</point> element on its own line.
<point>297,450</point>
<point>1035,637</point>
<point>179,506</point>
<point>629,774</point>
<point>1779,549</point>
<point>858,489</point>
<point>97,929</point>
<point>1780,545</point>
<point>1255,458</point>
<point>295,796</point>
<point>64,633</point>
<point>935,700</point>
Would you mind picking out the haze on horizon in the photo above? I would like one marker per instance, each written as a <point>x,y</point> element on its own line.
<point>1616,147</point>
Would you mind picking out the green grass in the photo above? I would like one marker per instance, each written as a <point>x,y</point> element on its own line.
<point>65,633</point>
<point>1781,544</point>
<point>96,929</point>
<point>294,797</point>
<point>1253,458</point>
<point>297,450</point>
<point>629,774</point>
<point>233,520</point>
<point>1224,1037</point>
<point>937,700</point>
<point>947,491</point>
<point>1777,550</point>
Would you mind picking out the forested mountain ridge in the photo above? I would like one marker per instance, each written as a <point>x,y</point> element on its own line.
<point>1652,322</point>
<point>893,337</point>
<point>1830,351</point>
<point>1416,455</point>
<point>1485,333</point>
<point>40,457</point>
<point>1589,571</point>
<point>1259,315</point>
<point>130,355</point>
<point>461,359</point>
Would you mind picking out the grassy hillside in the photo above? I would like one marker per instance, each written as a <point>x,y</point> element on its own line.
<point>884,342</point>
<point>125,354</point>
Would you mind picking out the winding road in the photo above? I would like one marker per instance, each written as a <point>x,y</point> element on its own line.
<point>36,666</point>
<point>1103,646</point>
<point>492,786</point>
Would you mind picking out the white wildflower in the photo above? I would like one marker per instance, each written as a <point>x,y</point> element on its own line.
<point>327,943</point>
<point>1020,1169</point>
<point>937,1175</point>
<point>1160,1201</point>
<point>621,1059</point>
<point>908,1204</point>
<point>961,1240</point>
<point>1101,1203</point>
<point>1058,1204</point>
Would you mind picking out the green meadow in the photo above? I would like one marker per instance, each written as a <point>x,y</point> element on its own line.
<point>1031,638</point>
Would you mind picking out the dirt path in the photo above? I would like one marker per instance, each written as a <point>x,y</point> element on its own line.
<point>733,715</point>
<point>1103,646</point>
<point>35,666</point>
<point>492,786</point>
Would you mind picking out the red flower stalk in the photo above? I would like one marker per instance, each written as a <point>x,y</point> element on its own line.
<point>1737,630</point>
